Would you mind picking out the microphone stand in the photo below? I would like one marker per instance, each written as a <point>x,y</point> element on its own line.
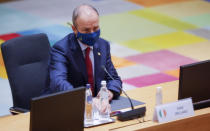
<point>133,113</point>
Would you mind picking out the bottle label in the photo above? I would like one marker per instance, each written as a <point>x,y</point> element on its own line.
<point>89,99</point>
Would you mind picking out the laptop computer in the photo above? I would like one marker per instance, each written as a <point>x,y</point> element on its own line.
<point>62,111</point>
<point>194,82</point>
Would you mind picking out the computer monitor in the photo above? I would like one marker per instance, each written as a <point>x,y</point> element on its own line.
<point>194,82</point>
<point>62,111</point>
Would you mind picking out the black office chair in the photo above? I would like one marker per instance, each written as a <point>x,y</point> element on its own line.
<point>26,61</point>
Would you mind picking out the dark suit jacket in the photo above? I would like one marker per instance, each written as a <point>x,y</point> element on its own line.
<point>67,66</point>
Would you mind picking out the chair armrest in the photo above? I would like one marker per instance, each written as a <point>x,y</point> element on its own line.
<point>17,110</point>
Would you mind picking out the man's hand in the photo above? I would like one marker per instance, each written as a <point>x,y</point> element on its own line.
<point>110,95</point>
<point>101,107</point>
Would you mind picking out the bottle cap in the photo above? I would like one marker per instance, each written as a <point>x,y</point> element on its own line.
<point>158,89</point>
<point>103,82</point>
<point>87,86</point>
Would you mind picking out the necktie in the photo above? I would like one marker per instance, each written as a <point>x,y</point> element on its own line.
<point>89,69</point>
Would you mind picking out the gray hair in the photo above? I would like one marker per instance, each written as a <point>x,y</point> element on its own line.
<point>76,12</point>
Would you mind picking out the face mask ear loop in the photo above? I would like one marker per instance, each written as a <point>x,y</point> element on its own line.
<point>70,24</point>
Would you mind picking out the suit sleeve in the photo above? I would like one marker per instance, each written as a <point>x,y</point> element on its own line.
<point>58,71</point>
<point>113,85</point>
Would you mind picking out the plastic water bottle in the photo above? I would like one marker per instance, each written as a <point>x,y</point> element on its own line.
<point>96,115</point>
<point>158,95</point>
<point>104,100</point>
<point>88,105</point>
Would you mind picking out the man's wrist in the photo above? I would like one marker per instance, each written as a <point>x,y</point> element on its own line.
<point>115,94</point>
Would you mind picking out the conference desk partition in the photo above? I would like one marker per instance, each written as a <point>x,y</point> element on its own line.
<point>146,94</point>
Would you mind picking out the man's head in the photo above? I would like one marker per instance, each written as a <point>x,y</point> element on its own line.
<point>86,22</point>
<point>85,19</point>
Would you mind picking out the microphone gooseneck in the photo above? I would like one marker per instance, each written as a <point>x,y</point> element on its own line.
<point>103,67</point>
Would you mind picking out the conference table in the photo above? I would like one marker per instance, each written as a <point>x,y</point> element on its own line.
<point>200,121</point>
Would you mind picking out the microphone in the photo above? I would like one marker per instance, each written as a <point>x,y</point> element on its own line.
<point>133,113</point>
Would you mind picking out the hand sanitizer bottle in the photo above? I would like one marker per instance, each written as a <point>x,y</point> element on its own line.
<point>159,95</point>
<point>158,101</point>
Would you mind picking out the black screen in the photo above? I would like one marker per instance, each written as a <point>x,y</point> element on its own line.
<point>194,81</point>
<point>62,111</point>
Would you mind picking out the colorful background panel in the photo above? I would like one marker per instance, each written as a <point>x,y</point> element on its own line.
<point>127,26</point>
<point>150,79</point>
<point>198,20</point>
<point>163,19</point>
<point>184,9</point>
<point>163,41</point>
<point>161,60</point>
<point>3,73</point>
<point>198,51</point>
<point>149,39</point>
<point>149,3</point>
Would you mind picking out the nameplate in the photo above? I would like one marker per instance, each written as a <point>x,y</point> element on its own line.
<point>173,111</point>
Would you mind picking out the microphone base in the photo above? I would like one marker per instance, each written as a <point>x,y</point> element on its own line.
<point>132,114</point>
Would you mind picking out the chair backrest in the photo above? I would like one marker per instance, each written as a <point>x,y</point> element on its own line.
<point>26,61</point>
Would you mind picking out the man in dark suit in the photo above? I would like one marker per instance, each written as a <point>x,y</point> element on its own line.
<point>78,58</point>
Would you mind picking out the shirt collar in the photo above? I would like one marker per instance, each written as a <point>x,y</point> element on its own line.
<point>83,46</point>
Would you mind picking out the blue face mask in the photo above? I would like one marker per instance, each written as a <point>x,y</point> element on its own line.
<point>88,38</point>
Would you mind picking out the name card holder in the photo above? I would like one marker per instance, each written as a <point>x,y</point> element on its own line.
<point>173,111</point>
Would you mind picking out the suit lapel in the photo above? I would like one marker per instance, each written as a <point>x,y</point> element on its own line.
<point>97,61</point>
<point>79,59</point>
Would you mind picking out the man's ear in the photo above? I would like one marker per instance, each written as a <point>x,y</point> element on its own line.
<point>74,29</point>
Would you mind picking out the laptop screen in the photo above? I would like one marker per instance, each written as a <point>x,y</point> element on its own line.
<point>62,111</point>
<point>194,82</point>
